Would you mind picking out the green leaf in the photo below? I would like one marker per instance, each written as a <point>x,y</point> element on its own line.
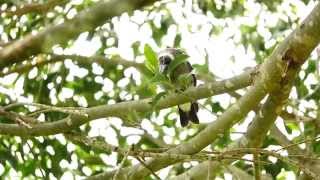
<point>312,66</point>
<point>151,59</point>
<point>162,80</point>
<point>158,77</point>
<point>202,68</point>
<point>216,107</point>
<point>185,80</point>
<point>182,58</point>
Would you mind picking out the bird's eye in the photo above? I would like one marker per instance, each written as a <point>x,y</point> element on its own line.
<point>166,60</point>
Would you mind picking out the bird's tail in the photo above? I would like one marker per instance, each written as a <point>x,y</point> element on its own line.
<point>191,115</point>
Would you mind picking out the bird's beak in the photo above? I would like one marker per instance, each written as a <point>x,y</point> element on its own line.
<point>163,68</point>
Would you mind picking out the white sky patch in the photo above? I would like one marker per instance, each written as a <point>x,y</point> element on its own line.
<point>110,160</point>
<point>293,93</point>
<point>9,79</point>
<point>125,95</point>
<point>67,175</point>
<point>167,139</point>
<point>97,69</point>
<point>272,159</point>
<point>1,169</point>
<point>286,174</point>
<point>242,126</point>
<point>107,85</point>
<point>123,82</point>
<point>164,172</point>
<point>139,16</point>
<point>67,93</point>
<point>133,139</point>
<point>53,97</point>
<point>125,131</point>
<point>227,176</point>
<point>100,127</point>
<point>111,101</point>
<point>110,136</point>
<point>50,150</point>
<point>98,79</point>
<point>15,92</point>
<point>84,47</point>
<point>169,131</point>
<point>82,101</point>
<point>75,70</point>
<point>26,148</point>
<point>205,116</point>
<point>186,165</point>
<point>223,99</point>
<point>280,124</point>
<point>304,105</point>
<point>87,171</point>
<point>33,73</point>
<point>131,71</point>
<point>115,122</point>
<point>168,39</point>
<point>61,138</point>
<point>71,13</point>
<point>147,125</point>
<point>125,39</point>
<point>183,135</point>
<point>311,80</point>
<point>273,147</point>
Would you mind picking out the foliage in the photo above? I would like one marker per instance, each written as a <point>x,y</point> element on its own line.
<point>138,37</point>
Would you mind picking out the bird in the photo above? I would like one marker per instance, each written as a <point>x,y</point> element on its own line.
<point>173,65</point>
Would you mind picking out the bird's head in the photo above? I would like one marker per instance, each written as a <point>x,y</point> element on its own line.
<point>166,56</point>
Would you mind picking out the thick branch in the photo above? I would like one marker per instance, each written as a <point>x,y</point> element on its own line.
<point>84,21</point>
<point>123,108</point>
<point>258,128</point>
<point>273,106</point>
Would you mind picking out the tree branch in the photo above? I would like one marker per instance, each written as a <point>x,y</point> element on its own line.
<point>84,21</point>
<point>314,166</point>
<point>272,74</point>
<point>122,109</point>
<point>204,155</point>
<point>42,60</point>
<point>33,8</point>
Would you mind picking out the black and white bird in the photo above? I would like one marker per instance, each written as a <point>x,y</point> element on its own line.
<point>180,75</point>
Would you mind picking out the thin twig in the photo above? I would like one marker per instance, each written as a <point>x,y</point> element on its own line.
<point>296,144</point>
<point>146,166</point>
<point>67,110</point>
<point>19,119</point>
<point>115,177</point>
<point>256,165</point>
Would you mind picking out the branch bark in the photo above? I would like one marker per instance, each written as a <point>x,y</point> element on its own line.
<point>33,8</point>
<point>44,59</point>
<point>122,109</point>
<point>84,21</point>
<point>273,106</point>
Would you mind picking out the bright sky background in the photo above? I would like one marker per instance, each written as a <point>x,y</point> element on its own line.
<point>220,48</point>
